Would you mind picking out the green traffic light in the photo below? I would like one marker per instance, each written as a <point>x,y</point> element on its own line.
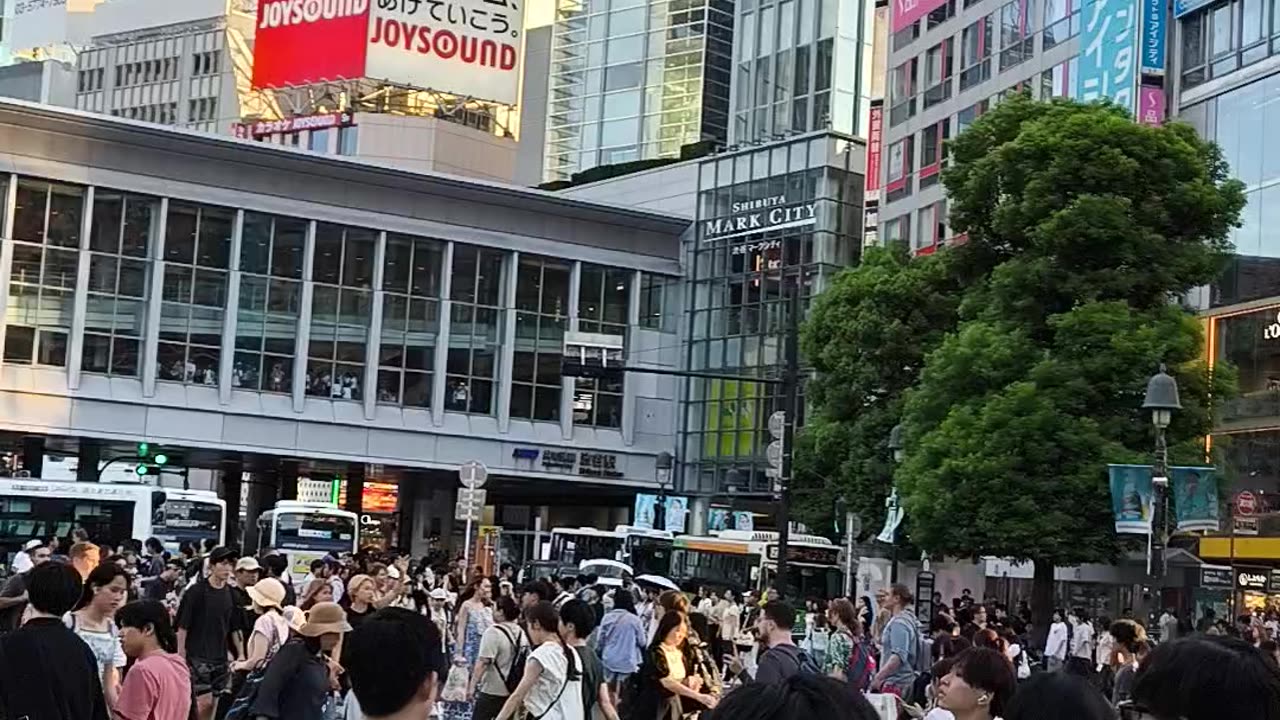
<point>161,458</point>
<point>141,470</point>
<point>143,449</point>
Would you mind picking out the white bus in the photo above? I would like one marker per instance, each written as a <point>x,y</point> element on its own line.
<point>647,551</point>
<point>110,512</point>
<point>745,560</point>
<point>307,531</point>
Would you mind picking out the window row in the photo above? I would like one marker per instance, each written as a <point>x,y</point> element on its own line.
<point>163,113</point>
<point>1227,36</point>
<point>143,72</point>
<point>925,235</point>
<point>90,80</point>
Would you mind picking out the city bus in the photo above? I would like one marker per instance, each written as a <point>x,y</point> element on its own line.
<point>647,551</point>
<point>748,560</point>
<point>110,512</point>
<point>307,531</point>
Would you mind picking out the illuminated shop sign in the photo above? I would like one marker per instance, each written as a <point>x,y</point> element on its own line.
<point>760,215</point>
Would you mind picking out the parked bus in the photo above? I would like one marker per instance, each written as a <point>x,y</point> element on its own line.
<point>745,560</point>
<point>646,551</point>
<point>307,531</point>
<point>110,512</point>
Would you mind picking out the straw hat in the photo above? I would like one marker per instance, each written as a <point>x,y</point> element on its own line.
<point>325,617</point>
<point>295,616</point>
<point>268,592</point>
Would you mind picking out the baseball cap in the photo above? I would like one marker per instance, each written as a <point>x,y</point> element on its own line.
<point>439,594</point>
<point>248,562</point>
<point>33,544</point>
<point>222,554</point>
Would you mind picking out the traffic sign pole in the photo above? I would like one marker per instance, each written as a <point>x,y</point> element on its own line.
<point>472,474</point>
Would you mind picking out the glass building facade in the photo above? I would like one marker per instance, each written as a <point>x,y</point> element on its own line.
<point>635,79</point>
<point>802,65</point>
<point>781,216</point>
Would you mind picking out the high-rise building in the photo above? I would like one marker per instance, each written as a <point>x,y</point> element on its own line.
<point>635,79</point>
<point>802,65</point>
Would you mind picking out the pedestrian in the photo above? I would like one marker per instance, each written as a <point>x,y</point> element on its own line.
<point>474,616</point>
<point>781,658</point>
<point>1128,648</point>
<point>270,629</point>
<point>317,592</point>
<point>1057,643</point>
<point>867,614</point>
<point>156,559</point>
<point>577,620</point>
<point>664,682</point>
<point>298,680</point>
<point>900,646</point>
<point>1205,678</point>
<point>620,641</point>
<point>159,586</point>
<point>84,557</point>
<point>500,664</point>
<point>207,616</point>
<point>158,685</point>
<point>551,688</point>
<point>729,616</point>
<point>800,697</point>
<point>978,686</point>
<point>362,592</point>
<point>1168,625</point>
<point>92,620</point>
<point>849,657</point>
<point>46,672</point>
<point>23,561</point>
<point>274,565</point>
<point>438,614</point>
<point>13,596</point>
<point>1058,696</point>
<point>394,665</point>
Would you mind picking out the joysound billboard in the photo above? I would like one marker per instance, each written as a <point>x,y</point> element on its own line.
<point>464,47</point>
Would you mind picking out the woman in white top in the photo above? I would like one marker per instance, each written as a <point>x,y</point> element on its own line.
<point>552,685</point>
<point>270,630</point>
<point>104,592</point>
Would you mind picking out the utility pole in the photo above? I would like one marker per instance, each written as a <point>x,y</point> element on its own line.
<point>790,402</point>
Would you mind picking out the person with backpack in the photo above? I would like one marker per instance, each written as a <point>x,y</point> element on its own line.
<point>551,688</point>
<point>781,658</point>
<point>849,656</point>
<point>500,665</point>
<point>577,620</point>
<point>899,646</point>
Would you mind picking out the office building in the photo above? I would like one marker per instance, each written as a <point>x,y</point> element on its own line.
<point>635,80</point>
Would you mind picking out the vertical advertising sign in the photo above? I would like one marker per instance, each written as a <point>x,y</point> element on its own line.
<point>874,147</point>
<point>1131,498</point>
<point>1151,105</point>
<point>1108,45</point>
<point>1154,21</point>
<point>1195,498</point>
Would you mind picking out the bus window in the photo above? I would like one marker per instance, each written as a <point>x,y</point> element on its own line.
<point>179,521</point>
<point>650,556</point>
<point>572,548</point>
<point>21,519</point>
<point>307,531</point>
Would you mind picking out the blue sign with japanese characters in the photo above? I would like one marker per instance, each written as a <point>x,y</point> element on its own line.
<point>1155,16</point>
<point>1108,45</point>
<point>1182,7</point>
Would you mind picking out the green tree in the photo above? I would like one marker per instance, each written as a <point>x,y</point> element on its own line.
<point>1083,228</point>
<point>866,336</point>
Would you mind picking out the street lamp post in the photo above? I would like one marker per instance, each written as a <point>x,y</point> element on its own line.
<point>1161,399</point>
<point>663,465</point>
<point>895,447</point>
<point>732,481</point>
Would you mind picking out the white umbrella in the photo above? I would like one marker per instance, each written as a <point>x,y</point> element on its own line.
<point>656,580</point>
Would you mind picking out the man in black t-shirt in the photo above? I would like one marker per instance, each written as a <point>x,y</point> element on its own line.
<point>206,619</point>
<point>13,596</point>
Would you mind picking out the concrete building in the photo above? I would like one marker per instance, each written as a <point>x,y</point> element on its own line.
<point>636,80</point>
<point>288,314</point>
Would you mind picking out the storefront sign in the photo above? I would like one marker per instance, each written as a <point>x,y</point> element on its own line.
<point>1154,21</point>
<point>1151,105</point>
<point>292,125</point>
<point>598,465</point>
<point>591,464</point>
<point>1271,331</point>
<point>559,460</point>
<point>1252,578</point>
<point>1108,68</point>
<point>759,215</point>
<point>1219,577</point>
<point>1247,526</point>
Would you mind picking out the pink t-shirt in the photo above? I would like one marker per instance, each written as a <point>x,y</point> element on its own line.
<point>155,688</point>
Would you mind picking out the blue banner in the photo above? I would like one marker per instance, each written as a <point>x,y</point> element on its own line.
<point>1131,498</point>
<point>718,519</point>
<point>1195,498</point>
<point>1155,16</point>
<point>677,508</point>
<point>1108,45</point>
<point>1182,7</point>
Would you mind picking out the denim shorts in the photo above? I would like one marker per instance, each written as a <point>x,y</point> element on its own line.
<point>616,677</point>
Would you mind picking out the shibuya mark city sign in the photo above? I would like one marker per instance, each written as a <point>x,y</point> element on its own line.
<point>759,215</point>
<point>463,47</point>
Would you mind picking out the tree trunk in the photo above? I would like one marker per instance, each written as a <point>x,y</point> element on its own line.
<point>1041,603</point>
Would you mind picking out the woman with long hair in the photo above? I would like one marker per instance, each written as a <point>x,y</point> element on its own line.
<point>1128,648</point>
<point>849,658</point>
<point>474,616</point>
<point>551,688</point>
<point>104,592</point>
<point>158,686</point>
<point>666,680</point>
<point>317,592</point>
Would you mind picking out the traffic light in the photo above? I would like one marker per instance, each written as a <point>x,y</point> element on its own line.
<point>151,461</point>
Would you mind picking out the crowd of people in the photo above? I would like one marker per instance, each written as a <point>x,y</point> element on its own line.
<point>134,633</point>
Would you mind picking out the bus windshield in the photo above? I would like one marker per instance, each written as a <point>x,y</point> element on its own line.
<point>178,521</point>
<point>572,548</point>
<point>314,531</point>
<point>650,556</point>
<point>691,568</point>
<point>804,582</point>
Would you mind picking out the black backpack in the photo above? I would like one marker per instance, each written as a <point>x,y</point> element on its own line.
<point>519,657</point>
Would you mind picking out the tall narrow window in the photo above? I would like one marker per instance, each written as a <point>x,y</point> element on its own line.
<point>119,272</point>
<point>197,249</point>
<point>271,251</point>
<point>542,315</point>
<point>603,307</point>
<point>46,234</point>
<point>410,320</point>
<point>343,275</point>
<point>474,329</point>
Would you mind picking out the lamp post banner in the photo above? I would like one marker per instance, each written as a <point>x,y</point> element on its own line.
<point>1195,498</point>
<point>1131,498</point>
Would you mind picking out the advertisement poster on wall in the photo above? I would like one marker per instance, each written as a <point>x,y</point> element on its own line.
<point>1151,105</point>
<point>463,47</point>
<point>1108,66</point>
<point>677,511</point>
